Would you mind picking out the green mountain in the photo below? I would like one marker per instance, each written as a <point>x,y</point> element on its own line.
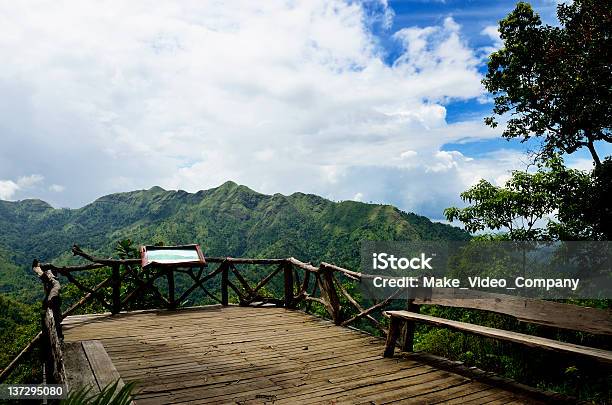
<point>230,220</point>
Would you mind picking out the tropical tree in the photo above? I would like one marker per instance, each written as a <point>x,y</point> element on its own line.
<point>555,83</point>
<point>544,205</point>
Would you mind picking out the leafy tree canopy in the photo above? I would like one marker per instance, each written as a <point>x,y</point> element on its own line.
<point>554,202</point>
<point>555,82</point>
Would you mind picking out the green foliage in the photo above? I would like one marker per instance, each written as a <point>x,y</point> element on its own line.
<point>584,204</point>
<point>16,281</point>
<point>110,395</point>
<point>553,203</point>
<point>125,249</point>
<point>19,323</point>
<point>555,81</point>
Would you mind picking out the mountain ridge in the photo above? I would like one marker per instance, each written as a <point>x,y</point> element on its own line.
<point>228,220</point>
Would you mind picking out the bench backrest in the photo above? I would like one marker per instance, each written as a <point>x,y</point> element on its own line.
<point>549,313</point>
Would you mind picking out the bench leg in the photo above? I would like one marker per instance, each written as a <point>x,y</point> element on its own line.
<point>410,326</point>
<point>394,329</point>
<point>408,343</point>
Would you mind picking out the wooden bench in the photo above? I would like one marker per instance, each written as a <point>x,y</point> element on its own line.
<point>558,315</point>
<point>89,366</point>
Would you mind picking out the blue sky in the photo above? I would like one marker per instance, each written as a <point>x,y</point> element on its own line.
<point>351,100</point>
<point>473,16</point>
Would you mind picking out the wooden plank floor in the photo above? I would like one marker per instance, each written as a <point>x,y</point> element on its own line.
<point>266,355</point>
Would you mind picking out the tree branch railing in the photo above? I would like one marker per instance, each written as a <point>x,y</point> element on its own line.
<point>303,285</point>
<point>51,333</point>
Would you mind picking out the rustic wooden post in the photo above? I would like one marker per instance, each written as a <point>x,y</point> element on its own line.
<point>54,352</point>
<point>170,277</point>
<point>330,296</point>
<point>116,281</point>
<point>224,284</point>
<point>51,327</point>
<point>52,299</point>
<point>410,326</point>
<point>312,292</point>
<point>45,346</point>
<point>288,272</point>
<point>394,329</point>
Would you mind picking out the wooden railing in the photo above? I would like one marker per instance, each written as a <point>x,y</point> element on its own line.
<point>303,285</point>
<point>302,282</point>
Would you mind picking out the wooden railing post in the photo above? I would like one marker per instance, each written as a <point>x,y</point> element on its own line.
<point>51,324</point>
<point>288,273</point>
<point>54,368</point>
<point>224,284</point>
<point>171,299</point>
<point>410,326</point>
<point>45,346</point>
<point>329,293</point>
<point>116,282</point>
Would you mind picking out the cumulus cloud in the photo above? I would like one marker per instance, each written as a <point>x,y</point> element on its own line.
<point>8,188</point>
<point>280,96</point>
<point>29,181</point>
<point>492,32</point>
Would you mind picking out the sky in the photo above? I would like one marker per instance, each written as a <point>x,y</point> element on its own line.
<point>351,100</point>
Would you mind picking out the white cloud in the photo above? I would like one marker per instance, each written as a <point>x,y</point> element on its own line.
<point>29,181</point>
<point>492,32</point>
<point>446,160</point>
<point>408,154</point>
<point>280,96</point>
<point>419,188</point>
<point>56,188</point>
<point>8,188</point>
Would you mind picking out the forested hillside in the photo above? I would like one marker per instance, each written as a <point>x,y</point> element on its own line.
<point>230,220</point>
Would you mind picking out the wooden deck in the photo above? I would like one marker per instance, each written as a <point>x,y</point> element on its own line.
<point>252,355</point>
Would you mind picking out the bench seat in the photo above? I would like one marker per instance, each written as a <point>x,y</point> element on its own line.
<point>89,366</point>
<point>601,355</point>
